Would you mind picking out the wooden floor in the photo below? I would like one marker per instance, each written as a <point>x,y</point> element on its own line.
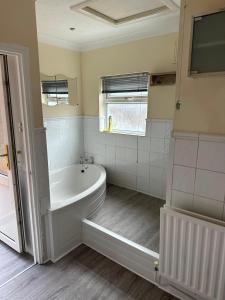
<point>82,275</point>
<point>133,215</point>
<point>12,263</point>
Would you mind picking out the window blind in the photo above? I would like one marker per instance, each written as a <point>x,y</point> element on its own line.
<point>125,83</point>
<point>55,87</point>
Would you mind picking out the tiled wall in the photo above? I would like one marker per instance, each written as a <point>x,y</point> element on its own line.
<point>64,141</point>
<point>196,179</point>
<point>135,162</point>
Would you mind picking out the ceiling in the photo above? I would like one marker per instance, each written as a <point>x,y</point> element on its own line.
<point>102,23</point>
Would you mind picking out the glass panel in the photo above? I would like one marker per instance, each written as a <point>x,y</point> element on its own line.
<point>58,89</point>
<point>128,117</point>
<point>208,46</point>
<point>3,161</point>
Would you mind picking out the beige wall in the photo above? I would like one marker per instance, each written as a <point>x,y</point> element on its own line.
<point>18,26</point>
<point>153,55</point>
<point>53,61</point>
<point>203,99</point>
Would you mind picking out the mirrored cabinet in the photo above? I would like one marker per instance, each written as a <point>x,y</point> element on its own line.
<point>208,44</point>
<point>59,89</point>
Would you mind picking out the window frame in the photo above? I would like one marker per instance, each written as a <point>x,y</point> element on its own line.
<point>136,99</point>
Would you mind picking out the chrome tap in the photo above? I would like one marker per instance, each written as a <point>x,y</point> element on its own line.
<point>82,163</point>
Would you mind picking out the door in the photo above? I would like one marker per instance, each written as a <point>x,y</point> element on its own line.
<point>10,218</point>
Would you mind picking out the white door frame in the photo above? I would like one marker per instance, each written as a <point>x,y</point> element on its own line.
<point>25,103</point>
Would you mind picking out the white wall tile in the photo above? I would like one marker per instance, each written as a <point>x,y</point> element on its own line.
<point>99,149</point>
<point>123,140</point>
<point>186,152</point>
<point>91,124</point>
<point>157,129</point>
<point>99,159</point>
<point>157,159</point>
<point>107,138</point>
<point>143,157</point>
<point>168,129</point>
<point>169,171</point>
<point>157,145</point>
<point>210,184</point>
<point>157,183</point>
<point>208,207</point>
<point>143,184</point>
<point>65,141</point>
<point>41,166</point>
<point>164,182</point>
<point>130,155</point>
<point>143,143</point>
<point>206,173</point>
<point>126,154</point>
<point>166,146</point>
<point>182,200</point>
<point>125,179</point>
<point>110,153</point>
<point>156,174</point>
<point>126,167</point>
<point>156,188</point>
<point>143,170</point>
<point>148,128</point>
<point>183,179</point>
<point>211,156</point>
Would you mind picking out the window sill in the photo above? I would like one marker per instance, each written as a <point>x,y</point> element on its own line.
<point>138,133</point>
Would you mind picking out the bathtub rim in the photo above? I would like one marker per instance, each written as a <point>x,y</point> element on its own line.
<point>93,188</point>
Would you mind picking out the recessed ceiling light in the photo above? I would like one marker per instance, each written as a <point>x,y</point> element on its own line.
<point>72,28</point>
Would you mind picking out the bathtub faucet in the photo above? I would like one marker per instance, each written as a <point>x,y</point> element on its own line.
<point>82,160</point>
<point>85,161</point>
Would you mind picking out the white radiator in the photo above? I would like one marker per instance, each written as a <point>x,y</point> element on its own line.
<point>192,254</point>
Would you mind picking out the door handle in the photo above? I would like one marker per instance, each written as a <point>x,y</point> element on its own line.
<point>6,155</point>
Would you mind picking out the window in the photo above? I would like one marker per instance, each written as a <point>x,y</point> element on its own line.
<point>125,101</point>
<point>54,92</point>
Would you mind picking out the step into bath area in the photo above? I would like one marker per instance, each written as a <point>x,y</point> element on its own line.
<point>125,226</point>
<point>126,230</point>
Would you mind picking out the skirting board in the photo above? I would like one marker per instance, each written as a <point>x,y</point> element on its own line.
<point>55,259</point>
<point>132,256</point>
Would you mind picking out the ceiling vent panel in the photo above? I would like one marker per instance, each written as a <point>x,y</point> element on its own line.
<point>119,12</point>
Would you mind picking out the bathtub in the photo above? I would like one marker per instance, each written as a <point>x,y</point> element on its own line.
<point>74,183</point>
<point>75,193</point>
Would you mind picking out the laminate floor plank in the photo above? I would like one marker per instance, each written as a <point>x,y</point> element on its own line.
<point>133,215</point>
<point>12,262</point>
<point>82,275</point>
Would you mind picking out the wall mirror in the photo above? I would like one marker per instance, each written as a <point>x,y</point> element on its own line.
<point>58,89</point>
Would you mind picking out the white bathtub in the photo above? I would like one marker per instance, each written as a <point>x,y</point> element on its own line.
<point>70,184</point>
<point>74,195</point>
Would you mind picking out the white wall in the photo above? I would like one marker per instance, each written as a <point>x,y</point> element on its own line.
<point>197,174</point>
<point>54,60</point>
<point>134,162</point>
<point>64,141</point>
<point>153,55</point>
<point>203,106</point>
<point>139,163</point>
